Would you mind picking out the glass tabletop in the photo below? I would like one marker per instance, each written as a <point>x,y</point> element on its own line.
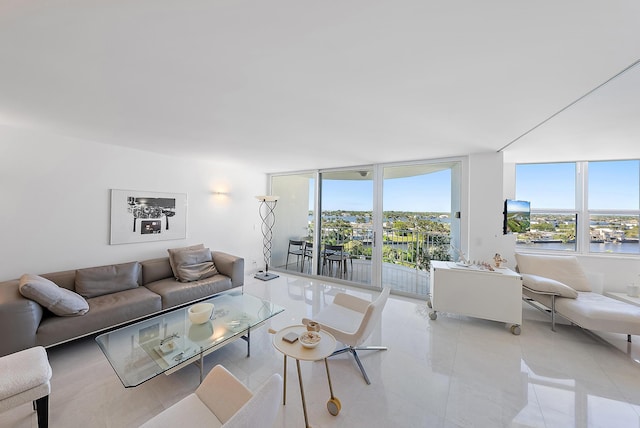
<point>143,350</point>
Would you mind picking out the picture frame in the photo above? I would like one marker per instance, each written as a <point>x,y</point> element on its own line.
<point>144,216</point>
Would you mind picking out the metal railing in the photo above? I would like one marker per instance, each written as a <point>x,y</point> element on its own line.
<point>406,247</point>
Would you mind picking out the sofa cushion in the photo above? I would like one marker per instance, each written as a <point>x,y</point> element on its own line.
<point>194,265</point>
<point>105,311</point>
<point>60,301</point>
<point>564,269</point>
<point>548,285</point>
<point>176,293</point>
<point>98,281</point>
<point>173,251</point>
<point>155,270</point>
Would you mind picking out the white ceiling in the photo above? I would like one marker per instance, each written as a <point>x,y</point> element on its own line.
<point>294,84</point>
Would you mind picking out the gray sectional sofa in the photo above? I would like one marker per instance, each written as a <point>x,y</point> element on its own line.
<point>113,294</point>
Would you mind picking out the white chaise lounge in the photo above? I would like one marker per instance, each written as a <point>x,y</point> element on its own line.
<point>560,284</point>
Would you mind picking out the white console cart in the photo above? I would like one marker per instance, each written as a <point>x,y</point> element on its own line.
<point>480,293</point>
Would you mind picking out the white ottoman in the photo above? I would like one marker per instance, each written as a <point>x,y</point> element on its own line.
<point>26,376</point>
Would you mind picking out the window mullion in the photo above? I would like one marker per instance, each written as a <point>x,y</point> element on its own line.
<point>583,235</point>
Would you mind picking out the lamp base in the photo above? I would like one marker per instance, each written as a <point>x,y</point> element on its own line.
<point>266,276</point>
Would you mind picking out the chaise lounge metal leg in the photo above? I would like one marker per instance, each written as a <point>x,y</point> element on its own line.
<point>553,313</point>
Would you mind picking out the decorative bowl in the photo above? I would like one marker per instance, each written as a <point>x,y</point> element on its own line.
<point>310,339</point>
<point>200,313</point>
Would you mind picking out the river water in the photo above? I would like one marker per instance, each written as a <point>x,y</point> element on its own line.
<point>608,247</point>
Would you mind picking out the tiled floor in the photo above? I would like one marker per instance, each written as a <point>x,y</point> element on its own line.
<point>452,372</point>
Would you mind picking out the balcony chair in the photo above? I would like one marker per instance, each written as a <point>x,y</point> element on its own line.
<point>351,321</point>
<point>297,248</point>
<point>26,376</point>
<point>335,254</point>
<point>222,400</point>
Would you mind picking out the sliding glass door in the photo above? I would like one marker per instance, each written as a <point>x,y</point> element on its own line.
<point>419,222</point>
<point>346,225</point>
<point>374,226</point>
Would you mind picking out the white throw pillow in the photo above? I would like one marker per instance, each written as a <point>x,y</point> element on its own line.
<point>548,285</point>
<point>58,300</point>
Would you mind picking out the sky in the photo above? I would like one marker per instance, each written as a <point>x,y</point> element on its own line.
<point>611,184</point>
<point>423,193</point>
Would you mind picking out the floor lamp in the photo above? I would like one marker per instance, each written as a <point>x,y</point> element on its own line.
<point>267,205</point>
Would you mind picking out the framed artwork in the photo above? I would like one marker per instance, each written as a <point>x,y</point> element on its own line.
<point>141,216</point>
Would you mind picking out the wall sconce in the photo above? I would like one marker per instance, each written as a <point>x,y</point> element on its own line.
<point>220,197</point>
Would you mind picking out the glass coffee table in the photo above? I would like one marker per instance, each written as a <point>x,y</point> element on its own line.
<point>169,341</point>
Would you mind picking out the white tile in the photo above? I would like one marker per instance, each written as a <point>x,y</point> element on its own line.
<point>452,372</point>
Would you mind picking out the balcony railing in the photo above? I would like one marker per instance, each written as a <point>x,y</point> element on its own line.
<point>405,247</point>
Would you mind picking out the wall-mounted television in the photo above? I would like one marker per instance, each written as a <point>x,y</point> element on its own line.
<point>517,216</point>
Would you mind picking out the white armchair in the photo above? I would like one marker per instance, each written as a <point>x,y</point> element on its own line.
<point>26,376</point>
<point>351,320</point>
<point>223,401</point>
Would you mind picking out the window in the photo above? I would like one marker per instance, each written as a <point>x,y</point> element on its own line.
<point>562,195</point>
<point>551,190</point>
<point>614,206</point>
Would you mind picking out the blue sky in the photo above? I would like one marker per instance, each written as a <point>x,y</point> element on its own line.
<point>612,185</point>
<point>430,192</point>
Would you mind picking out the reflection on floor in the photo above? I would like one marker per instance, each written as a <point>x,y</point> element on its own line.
<point>410,281</point>
<point>452,372</point>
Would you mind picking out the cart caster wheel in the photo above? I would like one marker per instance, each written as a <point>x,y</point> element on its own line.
<point>429,303</point>
<point>433,315</point>
<point>334,406</point>
<point>515,329</point>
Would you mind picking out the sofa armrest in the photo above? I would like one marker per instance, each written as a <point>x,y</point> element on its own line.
<point>19,319</point>
<point>231,266</point>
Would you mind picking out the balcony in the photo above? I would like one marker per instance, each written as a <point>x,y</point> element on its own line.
<point>406,256</point>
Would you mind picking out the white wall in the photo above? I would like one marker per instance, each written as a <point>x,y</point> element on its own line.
<point>486,202</point>
<point>55,203</point>
<point>291,214</point>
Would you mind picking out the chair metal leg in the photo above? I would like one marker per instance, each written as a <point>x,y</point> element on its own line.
<point>42,410</point>
<point>353,350</point>
<point>364,373</point>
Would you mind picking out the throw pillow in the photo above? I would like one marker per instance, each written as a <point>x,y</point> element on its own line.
<point>564,269</point>
<point>548,285</point>
<point>194,265</point>
<point>173,251</point>
<point>98,281</point>
<point>60,301</point>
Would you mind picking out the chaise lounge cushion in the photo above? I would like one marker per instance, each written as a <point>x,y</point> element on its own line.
<point>548,285</point>
<point>596,312</point>
<point>98,281</point>
<point>60,301</point>
<point>564,269</point>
